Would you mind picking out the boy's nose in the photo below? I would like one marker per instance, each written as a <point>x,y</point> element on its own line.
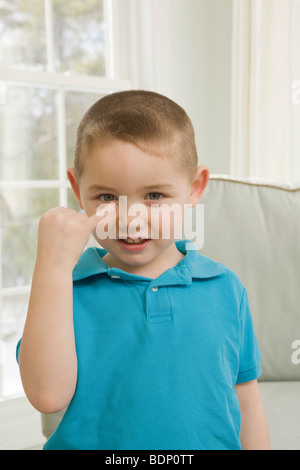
<point>133,221</point>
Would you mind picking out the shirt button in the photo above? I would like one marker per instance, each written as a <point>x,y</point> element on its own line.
<point>154,289</point>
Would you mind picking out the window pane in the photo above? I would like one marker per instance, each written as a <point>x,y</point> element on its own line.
<point>14,309</point>
<point>20,211</point>
<point>22,32</point>
<point>76,105</point>
<point>79,35</point>
<point>28,134</point>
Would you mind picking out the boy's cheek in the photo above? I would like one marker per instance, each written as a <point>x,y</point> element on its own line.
<point>166,224</point>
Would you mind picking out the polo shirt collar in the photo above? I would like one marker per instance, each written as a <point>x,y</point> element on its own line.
<point>193,265</point>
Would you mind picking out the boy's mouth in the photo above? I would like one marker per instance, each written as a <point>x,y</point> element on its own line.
<point>132,241</point>
<point>134,245</point>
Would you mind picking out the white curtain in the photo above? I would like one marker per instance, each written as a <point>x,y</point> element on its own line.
<point>265,121</point>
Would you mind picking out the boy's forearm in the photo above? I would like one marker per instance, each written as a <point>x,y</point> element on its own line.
<point>254,427</point>
<point>254,433</point>
<point>48,362</point>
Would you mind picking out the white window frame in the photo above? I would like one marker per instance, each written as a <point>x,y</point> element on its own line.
<point>120,57</point>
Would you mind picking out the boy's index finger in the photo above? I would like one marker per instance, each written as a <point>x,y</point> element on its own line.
<point>104,211</point>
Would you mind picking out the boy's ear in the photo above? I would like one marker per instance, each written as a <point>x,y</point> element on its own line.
<point>74,184</point>
<point>199,184</point>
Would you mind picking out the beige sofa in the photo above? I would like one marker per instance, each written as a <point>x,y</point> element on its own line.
<point>254,229</point>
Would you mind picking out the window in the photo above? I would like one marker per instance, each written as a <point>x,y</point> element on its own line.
<point>56,59</point>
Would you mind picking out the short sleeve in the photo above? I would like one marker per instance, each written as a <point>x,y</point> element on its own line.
<point>18,350</point>
<point>249,352</point>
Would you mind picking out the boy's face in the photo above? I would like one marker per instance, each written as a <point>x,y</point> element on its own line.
<point>122,169</point>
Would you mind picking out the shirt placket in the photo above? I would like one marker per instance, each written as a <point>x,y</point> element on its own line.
<point>158,306</point>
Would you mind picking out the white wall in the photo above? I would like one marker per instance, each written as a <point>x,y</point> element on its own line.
<point>190,61</point>
<point>203,84</point>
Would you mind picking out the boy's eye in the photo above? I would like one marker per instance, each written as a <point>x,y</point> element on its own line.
<point>106,197</point>
<point>155,196</point>
<point>110,197</point>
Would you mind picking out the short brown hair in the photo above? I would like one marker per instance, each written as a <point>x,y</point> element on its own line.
<point>153,122</point>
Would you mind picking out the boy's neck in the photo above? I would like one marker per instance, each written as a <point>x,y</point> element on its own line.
<point>168,259</point>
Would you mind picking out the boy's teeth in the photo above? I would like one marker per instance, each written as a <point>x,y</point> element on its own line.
<point>130,241</point>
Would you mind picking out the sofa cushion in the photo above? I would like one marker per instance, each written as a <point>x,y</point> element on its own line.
<point>254,229</point>
<point>281,404</point>
<point>50,422</point>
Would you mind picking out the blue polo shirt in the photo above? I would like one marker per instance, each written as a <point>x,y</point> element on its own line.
<point>158,359</point>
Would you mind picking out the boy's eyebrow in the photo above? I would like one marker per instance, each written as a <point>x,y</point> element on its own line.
<point>161,185</point>
<point>152,186</point>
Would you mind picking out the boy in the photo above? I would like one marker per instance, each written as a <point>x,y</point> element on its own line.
<point>149,345</point>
